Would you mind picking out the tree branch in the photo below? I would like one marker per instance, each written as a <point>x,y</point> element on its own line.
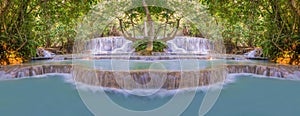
<point>172,34</point>
<point>277,39</point>
<point>293,4</point>
<point>23,44</point>
<point>124,32</point>
<point>6,5</point>
<point>157,31</point>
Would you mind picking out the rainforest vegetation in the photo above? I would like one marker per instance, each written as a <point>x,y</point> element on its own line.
<point>272,25</point>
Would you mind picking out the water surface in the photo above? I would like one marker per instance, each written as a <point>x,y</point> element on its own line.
<point>51,95</point>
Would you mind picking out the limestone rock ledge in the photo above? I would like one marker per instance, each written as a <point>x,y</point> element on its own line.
<point>145,79</point>
<point>19,71</point>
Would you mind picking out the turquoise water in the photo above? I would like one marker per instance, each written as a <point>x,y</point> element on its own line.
<point>52,96</point>
<point>172,64</point>
<point>49,96</point>
<point>177,64</point>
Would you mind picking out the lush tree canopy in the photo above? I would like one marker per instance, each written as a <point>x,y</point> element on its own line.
<point>270,24</point>
<point>28,24</point>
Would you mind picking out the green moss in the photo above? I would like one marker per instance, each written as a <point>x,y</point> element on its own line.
<point>158,46</point>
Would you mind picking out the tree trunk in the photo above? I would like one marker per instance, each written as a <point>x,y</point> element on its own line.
<point>150,33</point>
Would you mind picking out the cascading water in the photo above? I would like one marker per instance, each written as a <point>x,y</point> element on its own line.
<point>108,45</point>
<point>41,52</point>
<point>179,44</point>
<point>189,45</point>
<point>121,76</point>
<point>125,48</point>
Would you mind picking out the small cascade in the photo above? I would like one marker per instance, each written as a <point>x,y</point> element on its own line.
<point>257,52</point>
<point>108,45</point>
<point>3,75</point>
<point>251,53</point>
<point>33,73</point>
<point>20,74</point>
<point>152,79</point>
<point>149,80</point>
<point>41,52</point>
<point>184,44</point>
<point>179,44</point>
<point>125,48</point>
<point>173,48</point>
<point>295,75</point>
<point>47,53</point>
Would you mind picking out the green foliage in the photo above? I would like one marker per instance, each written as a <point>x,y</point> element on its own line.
<point>164,20</point>
<point>25,25</point>
<point>158,46</point>
<point>272,25</point>
<point>16,37</point>
<point>194,31</point>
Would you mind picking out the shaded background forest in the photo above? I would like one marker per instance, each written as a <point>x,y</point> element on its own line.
<point>272,25</point>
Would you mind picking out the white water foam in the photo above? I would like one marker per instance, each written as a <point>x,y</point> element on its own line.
<point>293,77</point>
<point>4,76</point>
<point>142,92</point>
<point>231,78</point>
<point>149,92</point>
<point>66,77</point>
<point>160,93</point>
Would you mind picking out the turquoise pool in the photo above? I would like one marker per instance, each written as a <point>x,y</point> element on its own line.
<point>52,95</point>
<point>174,64</point>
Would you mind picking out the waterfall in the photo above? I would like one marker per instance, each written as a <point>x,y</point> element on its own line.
<point>148,80</point>
<point>47,53</point>
<point>257,52</point>
<point>190,45</point>
<point>41,52</point>
<point>179,44</point>
<point>251,53</point>
<point>174,48</point>
<point>125,48</point>
<point>108,45</point>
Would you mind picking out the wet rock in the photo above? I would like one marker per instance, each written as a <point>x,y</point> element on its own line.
<point>154,79</point>
<point>3,75</point>
<point>294,75</point>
